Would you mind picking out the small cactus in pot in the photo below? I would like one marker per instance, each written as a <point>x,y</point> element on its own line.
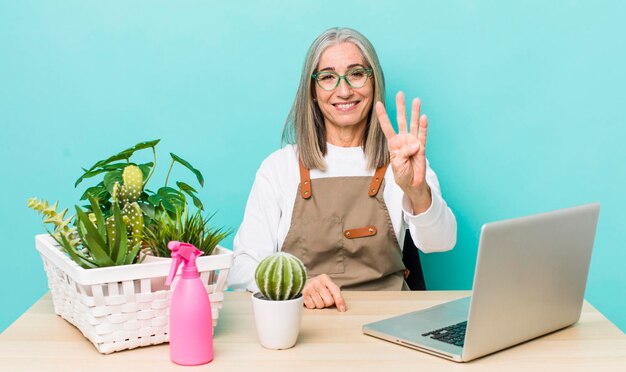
<point>280,276</point>
<point>278,304</point>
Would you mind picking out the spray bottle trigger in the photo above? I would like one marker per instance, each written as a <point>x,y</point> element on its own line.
<point>176,261</point>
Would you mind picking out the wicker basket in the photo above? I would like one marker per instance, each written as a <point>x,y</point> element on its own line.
<point>116,308</point>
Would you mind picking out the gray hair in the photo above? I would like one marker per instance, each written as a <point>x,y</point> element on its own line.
<point>305,123</point>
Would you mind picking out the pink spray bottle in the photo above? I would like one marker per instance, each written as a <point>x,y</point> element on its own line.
<point>191,323</point>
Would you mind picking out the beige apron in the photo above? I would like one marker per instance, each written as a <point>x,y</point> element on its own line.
<point>341,227</point>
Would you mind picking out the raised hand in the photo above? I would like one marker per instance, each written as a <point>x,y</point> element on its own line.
<point>408,151</point>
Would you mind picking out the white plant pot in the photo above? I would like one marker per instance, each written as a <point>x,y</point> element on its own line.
<point>277,322</point>
<point>158,283</point>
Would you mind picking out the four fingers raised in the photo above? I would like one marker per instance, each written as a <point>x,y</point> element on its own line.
<point>418,125</point>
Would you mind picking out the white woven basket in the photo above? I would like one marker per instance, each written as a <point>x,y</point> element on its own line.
<point>117,308</point>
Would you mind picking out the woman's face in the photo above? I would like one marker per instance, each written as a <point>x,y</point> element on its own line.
<point>344,106</point>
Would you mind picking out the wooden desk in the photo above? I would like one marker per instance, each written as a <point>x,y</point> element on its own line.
<point>329,341</point>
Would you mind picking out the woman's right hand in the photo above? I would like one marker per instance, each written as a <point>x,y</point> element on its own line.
<point>320,292</point>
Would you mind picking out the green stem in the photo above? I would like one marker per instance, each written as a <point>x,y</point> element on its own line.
<point>169,171</point>
<point>153,166</point>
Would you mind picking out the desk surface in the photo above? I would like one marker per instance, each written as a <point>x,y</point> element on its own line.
<point>40,340</point>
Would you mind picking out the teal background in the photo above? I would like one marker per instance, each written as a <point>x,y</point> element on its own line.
<point>525,100</point>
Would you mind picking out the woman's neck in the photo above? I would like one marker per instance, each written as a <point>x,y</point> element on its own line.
<point>351,136</point>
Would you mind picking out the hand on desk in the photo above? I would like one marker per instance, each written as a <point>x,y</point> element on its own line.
<point>320,292</point>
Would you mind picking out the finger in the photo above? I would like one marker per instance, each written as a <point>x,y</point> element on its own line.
<point>324,294</point>
<point>401,113</point>
<point>423,133</point>
<point>415,115</point>
<point>336,293</point>
<point>308,302</point>
<point>383,119</point>
<point>319,303</point>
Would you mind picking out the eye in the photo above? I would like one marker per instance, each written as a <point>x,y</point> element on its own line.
<point>357,73</point>
<point>325,77</point>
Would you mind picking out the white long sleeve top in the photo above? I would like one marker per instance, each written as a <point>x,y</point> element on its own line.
<point>267,217</point>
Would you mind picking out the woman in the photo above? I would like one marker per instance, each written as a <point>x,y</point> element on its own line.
<point>330,198</point>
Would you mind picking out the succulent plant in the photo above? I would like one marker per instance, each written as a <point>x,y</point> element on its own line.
<point>280,276</point>
<point>103,241</point>
<point>61,224</point>
<point>92,242</point>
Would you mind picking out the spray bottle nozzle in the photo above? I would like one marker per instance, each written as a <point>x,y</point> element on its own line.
<point>182,253</point>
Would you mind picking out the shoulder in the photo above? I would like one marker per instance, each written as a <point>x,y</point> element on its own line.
<point>280,168</point>
<point>277,161</point>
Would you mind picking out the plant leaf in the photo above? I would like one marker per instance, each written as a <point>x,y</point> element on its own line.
<point>120,238</point>
<point>145,169</point>
<point>145,145</point>
<point>89,174</point>
<point>95,208</point>
<point>95,191</point>
<point>148,209</point>
<point>132,254</point>
<point>172,199</point>
<point>77,257</point>
<point>92,240</point>
<point>155,199</point>
<point>186,164</point>
<point>191,192</point>
<point>123,155</point>
<point>112,177</point>
<point>185,187</point>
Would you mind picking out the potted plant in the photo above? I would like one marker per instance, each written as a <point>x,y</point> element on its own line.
<point>278,304</point>
<point>90,258</point>
<point>189,227</point>
<point>193,228</point>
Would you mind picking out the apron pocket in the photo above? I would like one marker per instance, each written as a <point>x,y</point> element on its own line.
<point>321,246</point>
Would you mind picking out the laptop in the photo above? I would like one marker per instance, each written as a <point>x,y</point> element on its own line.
<point>530,280</point>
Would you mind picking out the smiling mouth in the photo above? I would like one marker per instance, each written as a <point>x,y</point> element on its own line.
<point>345,106</point>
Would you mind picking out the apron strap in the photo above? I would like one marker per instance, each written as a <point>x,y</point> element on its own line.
<point>305,181</point>
<point>377,179</point>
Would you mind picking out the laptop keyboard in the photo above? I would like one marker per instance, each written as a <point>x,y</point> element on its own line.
<point>454,334</point>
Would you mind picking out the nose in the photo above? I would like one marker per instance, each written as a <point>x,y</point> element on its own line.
<point>344,90</point>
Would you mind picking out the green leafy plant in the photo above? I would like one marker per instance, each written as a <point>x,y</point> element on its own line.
<point>123,215</point>
<point>165,199</point>
<point>185,227</point>
<point>280,276</point>
<point>92,242</point>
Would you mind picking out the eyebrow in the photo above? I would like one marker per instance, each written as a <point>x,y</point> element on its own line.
<point>349,67</point>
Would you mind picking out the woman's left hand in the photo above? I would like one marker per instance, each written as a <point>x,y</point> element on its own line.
<point>408,151</point>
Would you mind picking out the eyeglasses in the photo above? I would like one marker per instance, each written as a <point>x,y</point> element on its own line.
<point>329,80</point>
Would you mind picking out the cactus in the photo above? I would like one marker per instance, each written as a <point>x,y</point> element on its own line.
<point>61,224</point>
<point>126,196</point>
<point>280,276</point>
<point>102,247</point>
